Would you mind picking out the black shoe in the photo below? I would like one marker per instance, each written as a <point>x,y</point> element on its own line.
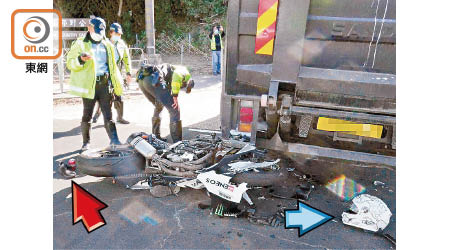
<point>176,131</point>
<point>86,134</point>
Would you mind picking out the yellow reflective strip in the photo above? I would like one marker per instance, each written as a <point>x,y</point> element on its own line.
<point>266,19</point>
<point>267,49</point>
<point>348,127</point>
<point>78,89</point>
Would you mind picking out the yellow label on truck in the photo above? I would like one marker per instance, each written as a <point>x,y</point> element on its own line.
<point>348,127</point>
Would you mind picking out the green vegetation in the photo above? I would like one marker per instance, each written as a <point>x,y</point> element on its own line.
<point>173,18</point>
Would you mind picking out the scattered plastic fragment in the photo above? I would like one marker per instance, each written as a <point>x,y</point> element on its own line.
<point>242,166</point>
<point>220,185</point>
<point>367,212</point>
<point>194,183</point>
<point>141,185</point>
<point>345,188</point>
<point>378,183</point>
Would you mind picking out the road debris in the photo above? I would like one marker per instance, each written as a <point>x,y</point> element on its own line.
<point>220,185</point>
<point>162,191</point>
<point>242,166</point>
<point>367,212</point>
<point>141,185</point>
<point>379,183</point>
<point>300,194</point>
<point>275,220</point>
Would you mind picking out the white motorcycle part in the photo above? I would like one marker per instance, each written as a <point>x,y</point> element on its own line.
<point>247,198</point>
<point>220,185</point>
<point>143,147</point>
<point>242,166</point>
<point>195,184</point>
<point>246,148</point>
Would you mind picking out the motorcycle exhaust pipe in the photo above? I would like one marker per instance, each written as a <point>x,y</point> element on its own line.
<point>142,146</point>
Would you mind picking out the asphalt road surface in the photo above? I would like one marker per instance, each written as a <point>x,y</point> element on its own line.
<point>176,221</point>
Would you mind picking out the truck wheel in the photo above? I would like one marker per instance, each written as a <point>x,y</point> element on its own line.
<point>261,178</point>
<point>111,162</point>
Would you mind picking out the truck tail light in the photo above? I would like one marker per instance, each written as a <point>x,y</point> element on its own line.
<point>246,116</point>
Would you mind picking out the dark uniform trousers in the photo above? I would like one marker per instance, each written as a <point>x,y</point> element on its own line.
<point>103,96</point>
<point>159,95</point>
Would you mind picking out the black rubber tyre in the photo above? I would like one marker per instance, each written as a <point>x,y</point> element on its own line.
<point>111,162</point>
<point>261,178</point>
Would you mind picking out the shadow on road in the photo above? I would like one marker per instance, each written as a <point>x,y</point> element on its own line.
<point>75,131</point>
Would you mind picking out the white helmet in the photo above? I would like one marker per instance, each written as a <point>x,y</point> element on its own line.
<point>367,212</point>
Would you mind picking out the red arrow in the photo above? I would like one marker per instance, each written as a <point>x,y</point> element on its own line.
<point>86,207</point>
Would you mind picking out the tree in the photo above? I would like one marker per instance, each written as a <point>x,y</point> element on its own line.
<point>172,17</point>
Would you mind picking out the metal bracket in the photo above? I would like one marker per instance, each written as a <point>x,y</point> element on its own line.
<point>273,95</point>
<point>349,138</point>
<point>285,114</point>
<point>254,122</point>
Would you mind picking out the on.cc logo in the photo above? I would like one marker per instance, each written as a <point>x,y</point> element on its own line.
<point>39,27</point>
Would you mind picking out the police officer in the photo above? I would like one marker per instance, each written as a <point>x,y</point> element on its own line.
<point>115,32</point>
<point>94,76</point>
<point>161,85</point>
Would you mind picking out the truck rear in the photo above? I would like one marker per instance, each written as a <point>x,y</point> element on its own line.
<point>314,77</point>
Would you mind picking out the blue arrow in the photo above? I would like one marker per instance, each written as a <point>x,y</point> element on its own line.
<point>305,218</point>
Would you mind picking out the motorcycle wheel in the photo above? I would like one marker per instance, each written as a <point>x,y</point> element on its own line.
<point>111,162</point>
<point>261,178</point>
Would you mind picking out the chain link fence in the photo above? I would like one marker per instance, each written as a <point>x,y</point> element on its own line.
<point>180,50</point>
<point>173,50</point>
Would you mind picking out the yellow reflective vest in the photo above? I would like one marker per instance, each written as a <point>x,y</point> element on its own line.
<point>180,75</point>
<point>213,42</point>
<point>82,76</point>
<point>124,54</point>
